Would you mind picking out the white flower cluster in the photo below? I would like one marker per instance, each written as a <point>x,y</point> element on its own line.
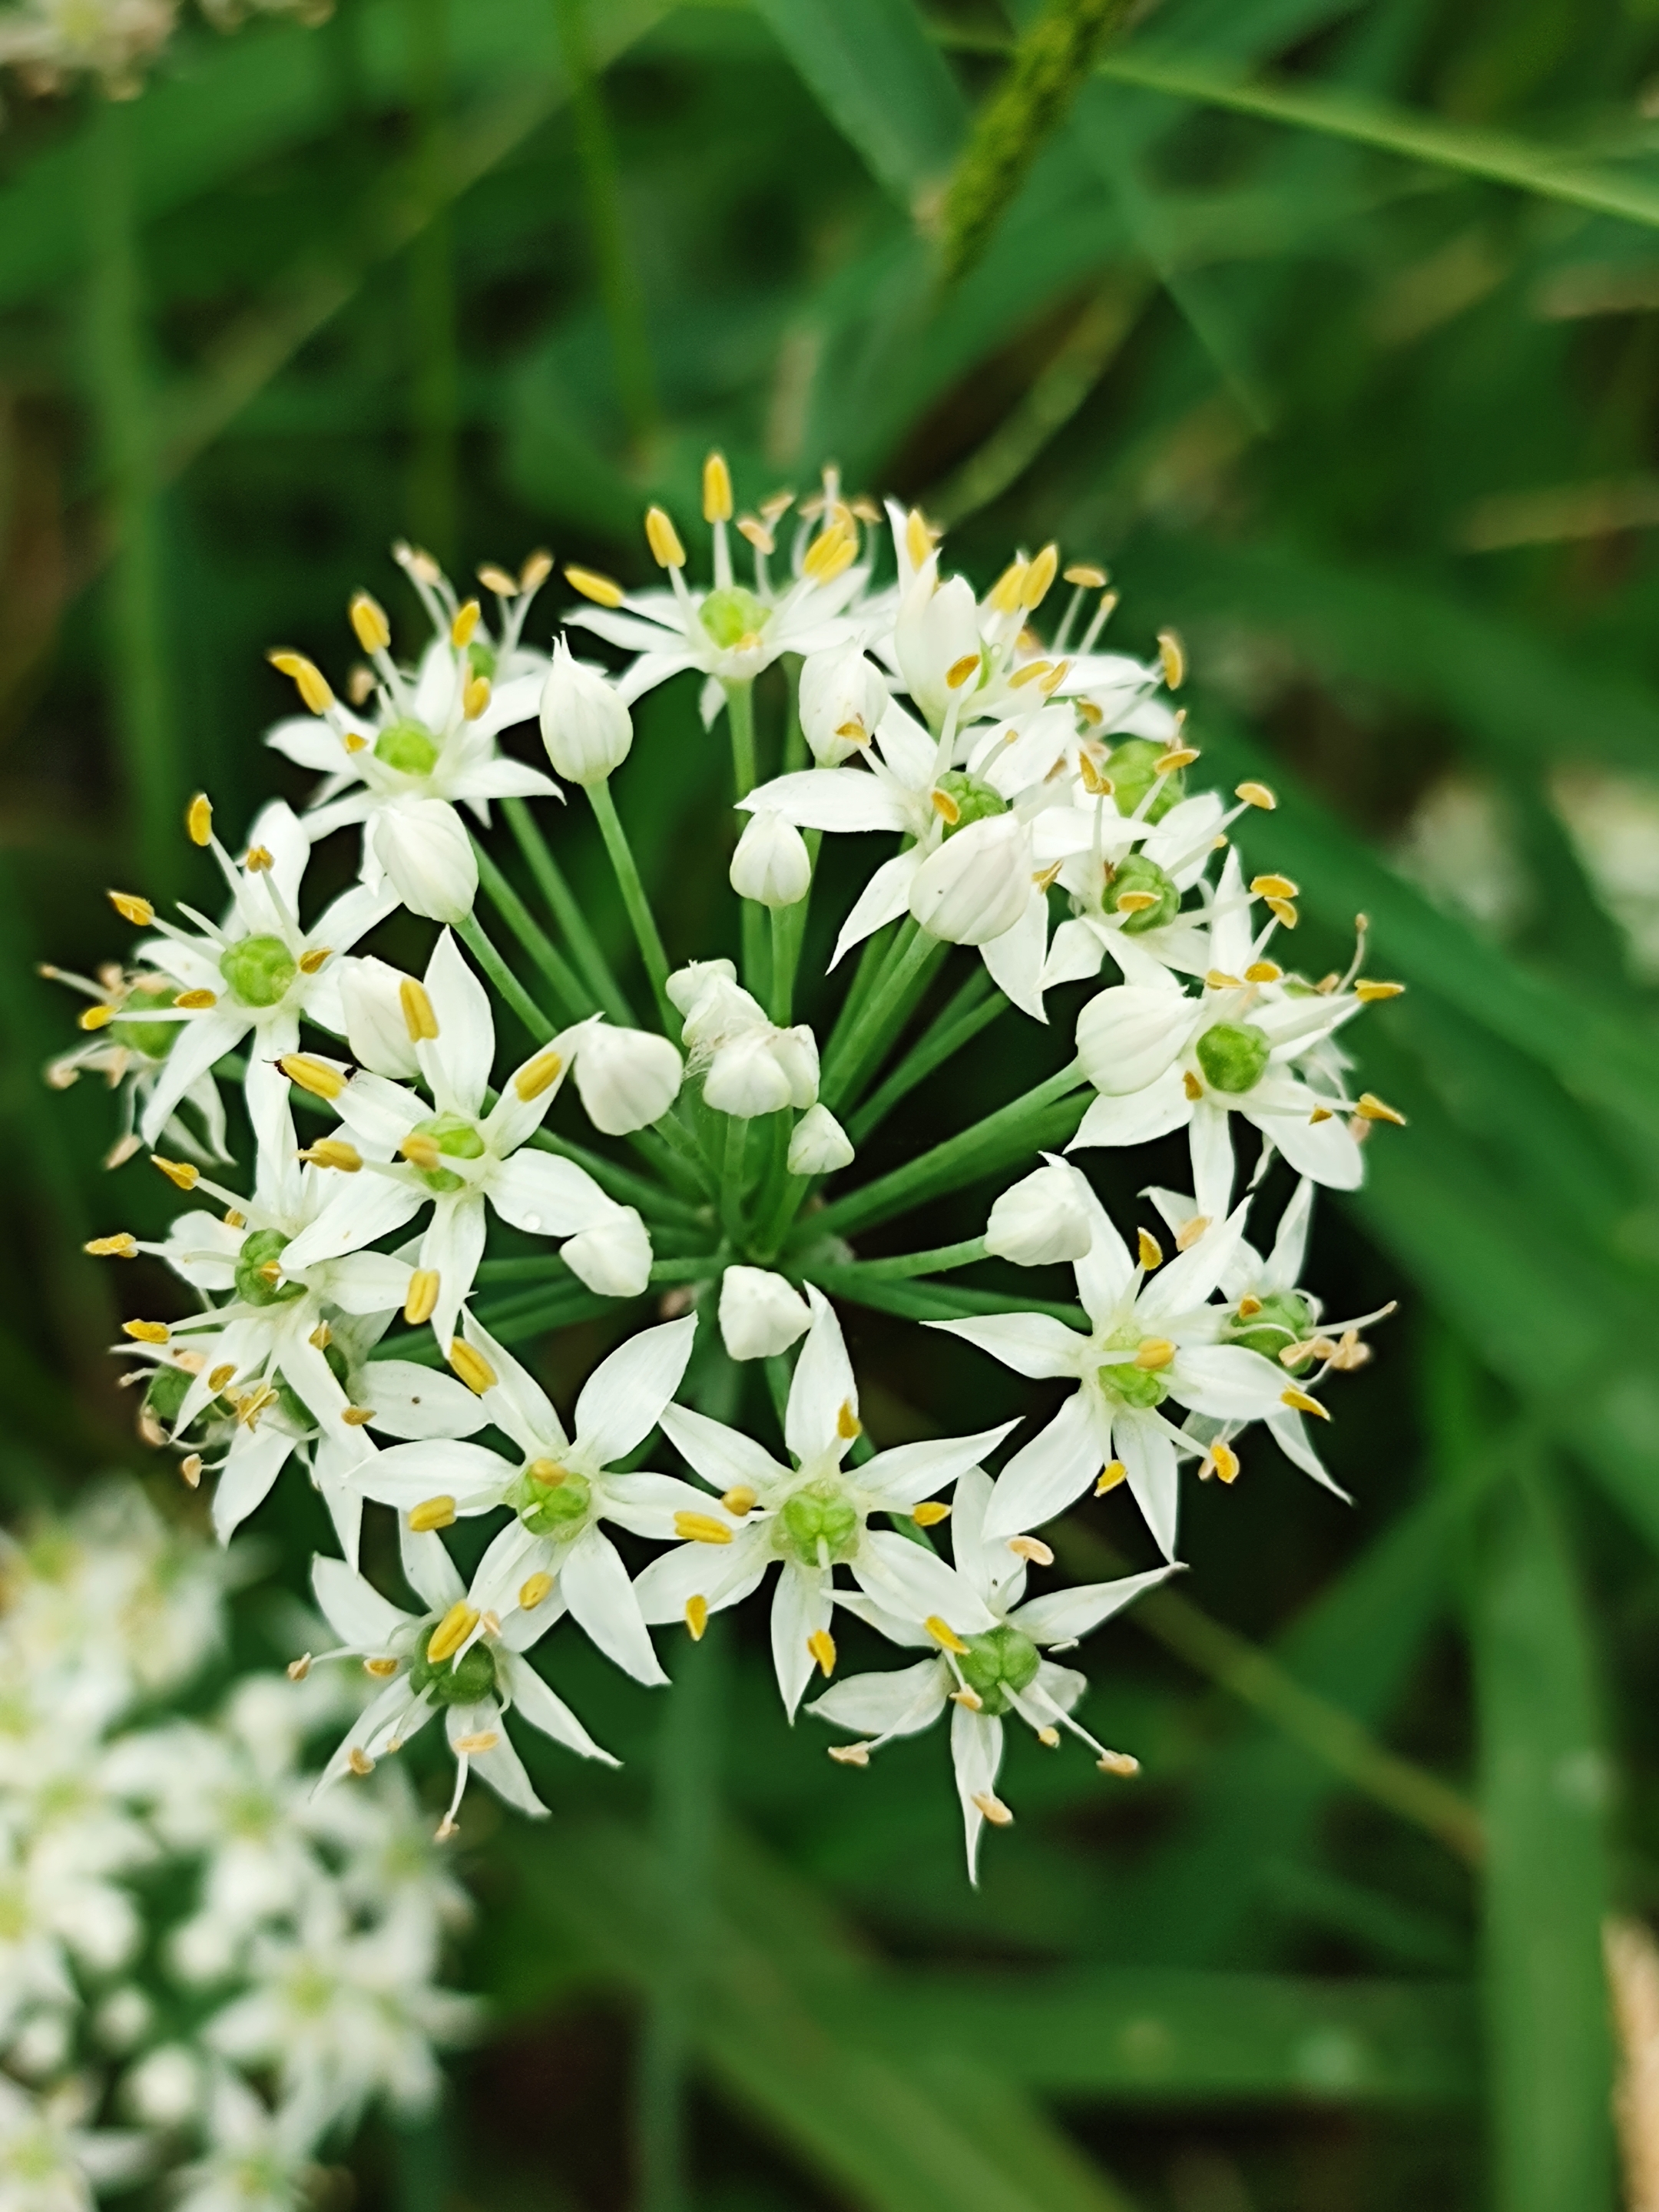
<point>1026,781</point>
<point>183,1916</point>
<point>52,44</point>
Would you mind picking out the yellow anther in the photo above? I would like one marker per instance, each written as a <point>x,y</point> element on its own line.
<point>130,908</point>
<point>198,819</point>
<point>943,1635</point>
<point>313,1075</point>
<point>1190,1230</point>
<point>946,807</point>
<point>1032,1548</point>
<point>225,1372</point>
<point>959,671</point>
<point>533,1591</point>
<point>196,1002</point>
<point>1135,902</point>
<point>308,680</point>
<point>757,534</point>
<point>969,1700</point>
<point>465,622</point>
<point>1118,1762</point>
<point>930,1513</point>
<point>700,1529</point>
<point>248,1412</point>
<point>257,859</point>
<point>147,1332</point>
<point>320,1337</point>
<point>475,697</point>
<point>1173,656</point>
<point>1085,577</point>
<point>368,623</point>
<point>1038,577</point>
<point>1256,794</point>
<point>359,1760</point>
<point>539,1075</point>
<point>1275,887</point>
<point>96,1018</point>
<point>333,1152</point>
<point>452,1632</point>
<point>318,958</point>
<point>1222,1461</point>
<point>716,489</point>
<point>1248,1308</point>
<point>1320,1113</point>
<point>1150,1251</point>
<point>697,1616</point>
<point>1190,1084</point>
<point>475,1745</point>
<point>1263,971</point>
<point>1178,756</point>
<point>850,1754</point>
<point>379,1668</point>
<point>357,1417</point>
<point>474,1370</point>
<point>1218,979</point>
<point>537,568</point>
<point>1057,674</point>
<point>123,1245</point>
<point>918,537</point>
<point>1027,673</point>
<point>355,742</point>
<point>1302,1403</point>
<point>419,1019</point>
<point>1369,1108</point>
<point>547,1472</point>
<point>497,581</point>
<point>1050,1738</point>
<point>1368,993</point>
<point>1155,1353</point>
<point>738,1500</point>
<point>422,1300</point>
<point>993,1807</point>
<point>822,1645</point>
<point>663,539</point>
<point>593,586</point>
<point>1112,1474</point>
<point>1283,912</point>
<point>847,1424</point>
<point>233,1219</point>
<point>432,1513</point>
<point>1004,594</point>
<point>831,553</point>
<point>420,1149</point>
<point>189,1468</point>
<point>1096,785</point>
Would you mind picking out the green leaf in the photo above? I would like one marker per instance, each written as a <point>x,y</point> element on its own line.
<point>881,81</point>
<point>1544,1786</point>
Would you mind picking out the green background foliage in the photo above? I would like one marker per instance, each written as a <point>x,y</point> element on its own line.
<point>1333,331</point>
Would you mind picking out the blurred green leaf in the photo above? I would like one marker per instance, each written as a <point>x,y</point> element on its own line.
<point>882,81</point>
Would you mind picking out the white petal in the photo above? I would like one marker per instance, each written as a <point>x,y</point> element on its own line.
<point>253,1465</point>
<point>907,1473</point>
<point>1162,1107</point>
<point>821,1386</point>
<point>1036,1344</point>
<point>722,1574</point>
<point>1325,1152</point>
<point>547,1196</point>
<point>1187,1280</point>
<point>897,1703</point>
<point>451,1249</point>
<point>416,1402</point>
<point>408,1474</point>
<point>594,1584</point>
<point>1226,1380</point>
<point>1061,1616</point>
<point>622,1401</point>
<point>1105,1271</point>
<point>802,1605</point>
<point>1148,1453</point>
<point>883,898</point>
<point>362,1618</point>
<point>1130,1035</point>
<point>545,1711</point>
<point>427,1568</point>
<point>724,1457</point>
<point>458,1061</point>
<point>913,1582</point>
<point>1052,1470</point>
<point>362,1209</point>
<point>1014,961</point>
<point>976,1753</point>
<point>830,798</point>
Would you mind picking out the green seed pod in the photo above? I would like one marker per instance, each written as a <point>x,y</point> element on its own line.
<point>974,802</point>
<point>257,971</point>
<point>732,614</point>
<point>407,748</point>
<point>1138,873</point>
<point>1001,1660</point>
<point>154,1040</point>
<point>1233,1056</point>
<point>821,1513</point>
<point>1133,768</point>
<point>556,1503</point>
<point>454,1134</point>
<point>447,1684</point>
<point>1285,1318</point>
<point>257,1253</point>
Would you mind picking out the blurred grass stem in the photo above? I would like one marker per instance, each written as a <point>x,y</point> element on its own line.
<point>646,934</point>
<point>562,902</point>
<point>434,396</point>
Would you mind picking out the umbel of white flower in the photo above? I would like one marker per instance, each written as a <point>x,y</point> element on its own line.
<point>435,1168</point>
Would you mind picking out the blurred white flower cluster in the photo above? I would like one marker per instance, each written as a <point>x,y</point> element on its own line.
<point>1037,802</point>
<point>52,44</point>
<point>207,1971</point>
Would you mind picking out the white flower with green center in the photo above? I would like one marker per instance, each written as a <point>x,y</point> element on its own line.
<point>50,2160</point>
<point>130,1051</point>
<point>1245,1045</point>
<point>1153,1340</point>
<point>810,1517</point>
<point>1000,1672</point>
<point>731,631</point>
<point>554,1555</point>
<point>253,979</point>
<point>457,1158</point>
<point>455,1658</point>
<point>257,2159</point>
<point>426,743</point>
<point>1127,887</point>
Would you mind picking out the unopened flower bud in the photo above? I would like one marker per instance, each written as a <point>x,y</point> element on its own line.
<point>761,1313</point>
<point>422,846</point>
<point>796,1052</point>
<point>745,1077</point>
<point>819,1145</point>
<point>977,885</point>
<point>843,697</point>
<point>687,985</point>
<point>1043,1218</point>
<point>627,1079</point>
<point>613,1258</point>
<point>771,865</point>
<point>375,1027</point>
<point>585,727</point>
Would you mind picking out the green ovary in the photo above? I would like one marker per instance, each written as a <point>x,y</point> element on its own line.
<point>1000,1661</point>
<point>1233,1056</point>
<point>407,748</point>
<point>455,1136</point>
<point>1285,1318</point>
<point>482,661</point>
<point>447,1684</point>
<point>974,802</point>
<point>732,614</point>
<point>821,1514</point>
<point>1142,1387</point>
<point>257,1253</point>
<point>1133,768</point>
<point>257,971</point>
<point>555,1504</point>
<point>154,1040</point>
<point>1140,874</point>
